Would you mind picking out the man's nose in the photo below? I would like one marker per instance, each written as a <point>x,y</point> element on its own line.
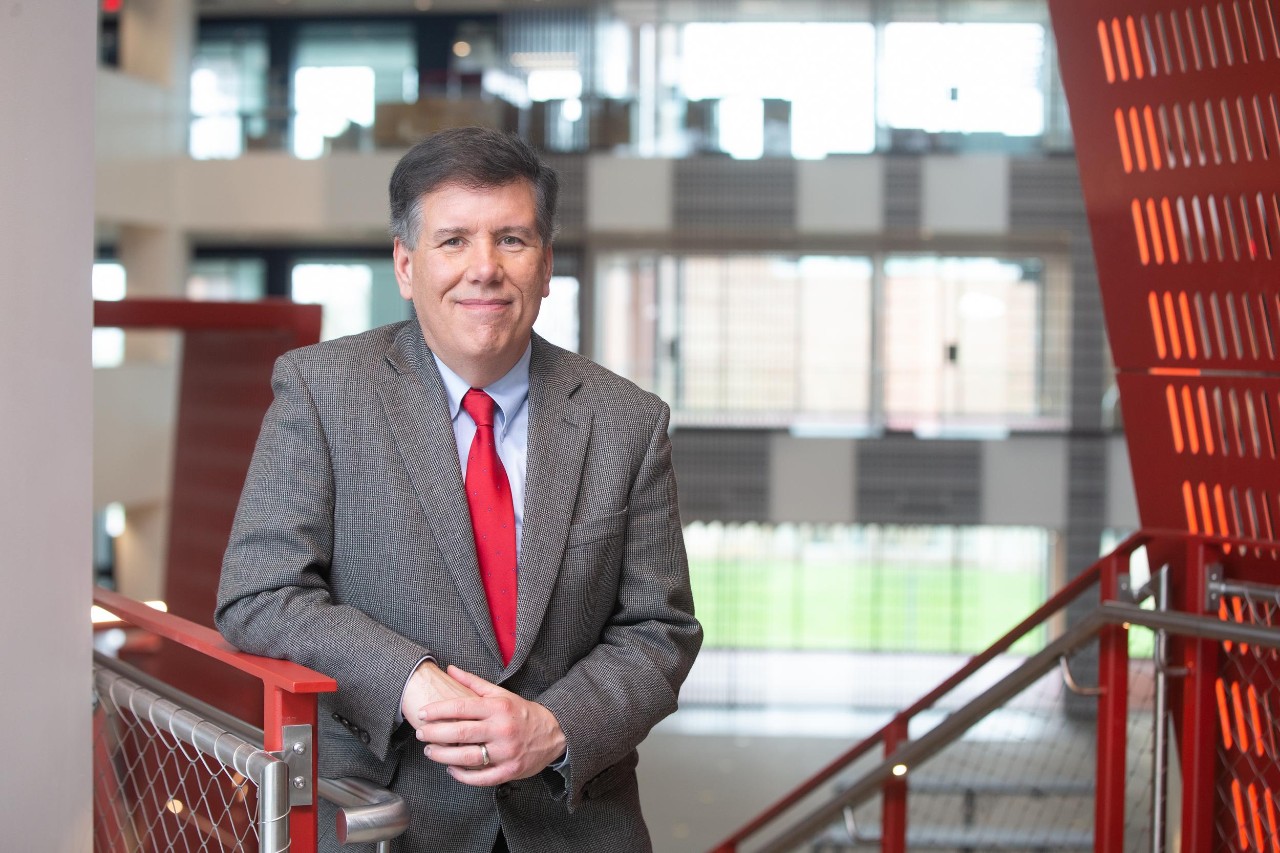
<point>484,263</point>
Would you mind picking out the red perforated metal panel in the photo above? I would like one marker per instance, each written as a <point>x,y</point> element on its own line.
<point>1176,114</point>
<point>1175,108</point>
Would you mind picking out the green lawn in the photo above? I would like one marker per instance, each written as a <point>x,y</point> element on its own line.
<point>759,604</point>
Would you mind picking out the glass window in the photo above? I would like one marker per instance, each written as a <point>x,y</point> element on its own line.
<point>866,587</point>
<point>340,73</point>
<point>558,316</point>
<point>109,284</point>
<point>963,78</point>
<point>344,291</point>
<point>228,93</point>
<point>917,342</point>
<point>962,341</point>
<point>813,97</point>
<point>227,279</point>
<point>741,338</point>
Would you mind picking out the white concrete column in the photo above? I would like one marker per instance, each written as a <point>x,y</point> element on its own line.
<point>157,39</point>
<point>47,65</point>
<point>154,259</point>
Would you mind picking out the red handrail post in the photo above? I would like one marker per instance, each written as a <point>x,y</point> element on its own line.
<point>893,801</point>
<point>1198,750</point>
<point>281,708</point>
<point>1113,713</point>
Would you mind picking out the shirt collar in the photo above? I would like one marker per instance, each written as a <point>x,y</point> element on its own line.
<point>509,393</point>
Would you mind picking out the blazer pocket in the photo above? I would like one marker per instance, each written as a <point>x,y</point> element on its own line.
<point>594,529</point>
<point>609,778</point>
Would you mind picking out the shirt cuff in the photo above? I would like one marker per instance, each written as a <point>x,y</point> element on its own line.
<point>399,712</point>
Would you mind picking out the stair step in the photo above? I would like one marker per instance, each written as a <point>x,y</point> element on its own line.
<point>961,837</point>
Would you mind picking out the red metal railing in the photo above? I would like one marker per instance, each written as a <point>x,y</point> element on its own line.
<point>288,690</point>
<point>1223,752</point>
<point>893,732</point>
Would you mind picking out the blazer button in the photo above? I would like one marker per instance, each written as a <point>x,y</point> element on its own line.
<point>364,737</point>
<point>337,718</point>
<point>502,791</point>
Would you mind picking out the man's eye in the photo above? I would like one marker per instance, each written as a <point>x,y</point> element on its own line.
<point>511,240</point>
<point>452,241</point>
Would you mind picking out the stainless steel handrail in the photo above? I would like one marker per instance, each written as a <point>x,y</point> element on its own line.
<point>367,812</point>
<point>268,773</point>
<point>915,752</point>
<point>375,814</point>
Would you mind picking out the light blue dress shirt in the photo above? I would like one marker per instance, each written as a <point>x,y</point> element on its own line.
<point>510,425</point>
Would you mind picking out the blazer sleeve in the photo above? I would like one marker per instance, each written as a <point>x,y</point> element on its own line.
<point>610,699</point>
<point>274,596</point>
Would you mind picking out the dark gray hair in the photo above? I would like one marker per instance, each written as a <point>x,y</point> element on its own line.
<point>474,157</point>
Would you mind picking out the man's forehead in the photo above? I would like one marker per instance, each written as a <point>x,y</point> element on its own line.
<point>465,188</point>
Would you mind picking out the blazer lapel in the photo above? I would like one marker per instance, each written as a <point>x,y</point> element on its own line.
<point>558,434</point>
<point>417,408</point>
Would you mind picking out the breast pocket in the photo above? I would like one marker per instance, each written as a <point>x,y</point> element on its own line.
<point>596,529</point>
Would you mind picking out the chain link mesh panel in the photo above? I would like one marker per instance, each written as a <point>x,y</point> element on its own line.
<point>1248,700</point>
<point>155,789</point>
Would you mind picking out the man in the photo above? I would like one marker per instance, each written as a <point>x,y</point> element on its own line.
<point>500,648</point>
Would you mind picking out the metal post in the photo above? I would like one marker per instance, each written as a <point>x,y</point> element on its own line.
<point>1160,769</point>
<point>1113,712</point>
<point>1199,722</point>
<point>893,804</point>
<point>273,809</point>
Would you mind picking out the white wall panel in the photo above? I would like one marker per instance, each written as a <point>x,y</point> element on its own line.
<point>811,479</point>
<point>840,194</point>
<point>628,194</point>
<point>1024,481</point>
<point>965,195</point>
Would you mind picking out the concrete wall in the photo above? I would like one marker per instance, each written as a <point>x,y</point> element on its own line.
<point>47,56</point>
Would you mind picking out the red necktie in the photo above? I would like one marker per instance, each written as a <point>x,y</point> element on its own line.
<point>493,521</point>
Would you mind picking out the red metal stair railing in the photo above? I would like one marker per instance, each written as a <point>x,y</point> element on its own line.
<point>1224,712</point>
<point>893,732</point>
<point>289,694</point>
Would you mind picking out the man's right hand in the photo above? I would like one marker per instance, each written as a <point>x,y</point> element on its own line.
<point>428,684</point>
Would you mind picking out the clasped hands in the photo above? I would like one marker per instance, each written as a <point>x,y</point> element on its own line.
<point>455,713</point>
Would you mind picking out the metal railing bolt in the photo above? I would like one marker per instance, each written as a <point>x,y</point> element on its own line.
<point>299,782</point>
<point>299,748</point>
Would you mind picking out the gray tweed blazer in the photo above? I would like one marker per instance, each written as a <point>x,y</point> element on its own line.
<point>352,554</point>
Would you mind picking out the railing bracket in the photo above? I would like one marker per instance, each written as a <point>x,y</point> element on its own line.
<point>1071,683</point>
<point>297,753</point>
<point>1213,587</point>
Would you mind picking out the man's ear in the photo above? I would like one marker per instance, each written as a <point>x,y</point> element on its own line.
<point>402,261</point>
<point>550,261</point>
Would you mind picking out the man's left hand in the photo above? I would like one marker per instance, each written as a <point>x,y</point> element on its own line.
<point>520,738</point>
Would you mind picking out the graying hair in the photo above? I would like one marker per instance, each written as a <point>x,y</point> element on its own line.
<point>474,157</point>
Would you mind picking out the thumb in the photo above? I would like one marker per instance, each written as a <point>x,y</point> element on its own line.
<point>474,683</point>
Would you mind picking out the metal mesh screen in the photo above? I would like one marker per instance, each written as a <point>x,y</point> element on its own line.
<point>155,789</point>
<point>1248,702</point>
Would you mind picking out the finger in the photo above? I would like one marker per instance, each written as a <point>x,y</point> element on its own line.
<point>467,756</point>
<point>481,777</point>
<point>452,732</point>
<point>453,709</point>
<point>474,683</point>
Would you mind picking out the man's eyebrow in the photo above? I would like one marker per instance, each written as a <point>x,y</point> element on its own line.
<point>522,230</point>
<point>443,233</point>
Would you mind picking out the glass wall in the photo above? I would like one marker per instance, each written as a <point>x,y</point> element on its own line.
<point>880,588</point>
<point>914,342</point>
<point>675,79</point>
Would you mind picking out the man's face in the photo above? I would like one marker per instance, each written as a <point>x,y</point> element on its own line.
<point>477,276</point>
